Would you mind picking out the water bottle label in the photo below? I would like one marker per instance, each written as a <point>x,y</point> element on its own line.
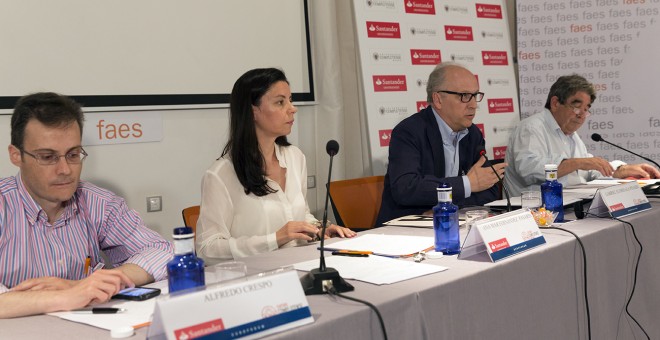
<point>444,196</point>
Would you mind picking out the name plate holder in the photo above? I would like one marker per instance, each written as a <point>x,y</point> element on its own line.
<point>619,201</point>
<point>502,236</point>
<point>246,308</point>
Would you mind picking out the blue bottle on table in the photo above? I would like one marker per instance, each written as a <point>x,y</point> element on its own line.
<point>552,192</point>
<point>185,270</point>
<point>445,222</point>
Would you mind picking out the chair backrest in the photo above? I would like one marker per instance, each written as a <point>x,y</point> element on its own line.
<point>190,216</point>
<point>356,201</point>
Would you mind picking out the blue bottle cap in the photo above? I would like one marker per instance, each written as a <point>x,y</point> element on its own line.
<point>443,186</point>
<point>183,232</point>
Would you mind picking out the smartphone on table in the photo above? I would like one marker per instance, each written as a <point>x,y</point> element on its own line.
<point>137,293</point>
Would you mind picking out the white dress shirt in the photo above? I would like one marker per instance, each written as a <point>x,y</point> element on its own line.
<point>232,224</point>
<point>537,141</point>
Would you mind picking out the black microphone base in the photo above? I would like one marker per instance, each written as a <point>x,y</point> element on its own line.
<point>313,282</point>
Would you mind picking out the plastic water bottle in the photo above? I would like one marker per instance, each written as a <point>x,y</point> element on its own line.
<point>551,192</point>
<point>185,270</point>
<point>445,222</point>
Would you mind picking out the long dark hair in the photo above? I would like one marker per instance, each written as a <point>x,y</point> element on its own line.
<point>243,146</point>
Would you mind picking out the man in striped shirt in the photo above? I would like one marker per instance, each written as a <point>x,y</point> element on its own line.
<point>51,222</point>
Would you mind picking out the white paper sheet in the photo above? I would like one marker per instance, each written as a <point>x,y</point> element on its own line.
<point>517,201</point>
<point>385,245</point>
<point>137,312</point>
<point>373,269</point>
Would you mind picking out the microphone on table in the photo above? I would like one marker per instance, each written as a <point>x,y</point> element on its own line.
<point>482,152</point>
<point>316,281</point>
<point>596,137</point>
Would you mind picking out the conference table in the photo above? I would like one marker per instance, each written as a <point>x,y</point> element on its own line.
<point>538,294</point>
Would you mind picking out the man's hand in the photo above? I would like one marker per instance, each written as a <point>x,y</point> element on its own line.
<point>483,178</point>
<point>44,283</point>
<point>98,287</point>
<point>636,171</point>
<point>45,295</point>
<point>590,163</point>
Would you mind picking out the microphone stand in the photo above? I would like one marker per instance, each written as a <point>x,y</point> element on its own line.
<point>600,139</point>
<point>506,192</point>
<point>318,281</point>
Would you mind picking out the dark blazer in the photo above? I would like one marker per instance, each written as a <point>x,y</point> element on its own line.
<point>416,165</point>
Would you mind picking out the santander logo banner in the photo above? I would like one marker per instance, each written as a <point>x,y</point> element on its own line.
<point>421,105</point>
<point>460,33</point>
<point>425,57</point>
<point>489,11</point>
<point>378,29</point>
<point>480,126</point>
<point>384,136</point>
<point>420,6</point>
<point>500,105</point>
<point>494,58</point>
<point>387,83</point>
<point>499,152</point>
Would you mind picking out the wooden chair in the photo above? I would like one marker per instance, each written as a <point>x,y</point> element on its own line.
<point>190,216</point>
<point>356,201</point>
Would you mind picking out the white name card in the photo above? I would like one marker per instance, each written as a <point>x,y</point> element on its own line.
<point>503,235</point>
<point>620,200</point>
<point>248,309</point>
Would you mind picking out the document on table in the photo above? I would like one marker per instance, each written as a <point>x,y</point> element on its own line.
<point>138,313</point>
<point>417,221</point>
<point>385,245</point>
<point>373,269</point>
<point>517,201</point>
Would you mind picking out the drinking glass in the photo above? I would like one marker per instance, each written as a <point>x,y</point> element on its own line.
<point>530,200</point>
<point>227,270</point>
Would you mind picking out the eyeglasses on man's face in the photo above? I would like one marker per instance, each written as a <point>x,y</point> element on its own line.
<point>578,110</point>
<point>74,156</point>
<point>466,96</point>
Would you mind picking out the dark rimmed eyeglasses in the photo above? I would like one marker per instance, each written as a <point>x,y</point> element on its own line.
<point>75,156</point>
<point>466,96</point>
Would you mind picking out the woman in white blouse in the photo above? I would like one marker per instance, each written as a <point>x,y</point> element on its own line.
<point>254,195</point>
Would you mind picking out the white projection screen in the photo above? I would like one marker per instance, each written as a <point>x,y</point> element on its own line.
<point>149,54</point>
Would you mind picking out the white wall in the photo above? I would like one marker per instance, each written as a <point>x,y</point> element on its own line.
<point>193,139</point>
<point>172,168</point>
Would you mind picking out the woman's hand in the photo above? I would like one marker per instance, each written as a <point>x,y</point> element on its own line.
<point>335,230</point>
<point>295,230</point>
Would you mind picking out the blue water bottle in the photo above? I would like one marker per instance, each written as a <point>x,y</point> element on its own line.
<point>185,270</point>
<point>445,222</point>
<point>551,192</point>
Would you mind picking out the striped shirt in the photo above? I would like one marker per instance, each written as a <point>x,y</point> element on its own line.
<point>93,220</point>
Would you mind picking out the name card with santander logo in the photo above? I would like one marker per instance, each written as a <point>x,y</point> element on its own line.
<point>246,308</point>
<point>503,235</point>
<point>619,200</point>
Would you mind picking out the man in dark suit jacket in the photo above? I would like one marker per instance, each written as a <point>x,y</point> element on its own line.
<point>439,144</point>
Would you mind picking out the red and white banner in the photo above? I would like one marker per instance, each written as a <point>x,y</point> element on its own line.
<point>401,41</point>
<point>613,45</point>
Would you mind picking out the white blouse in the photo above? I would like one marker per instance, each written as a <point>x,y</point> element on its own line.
<point>232,224</point>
